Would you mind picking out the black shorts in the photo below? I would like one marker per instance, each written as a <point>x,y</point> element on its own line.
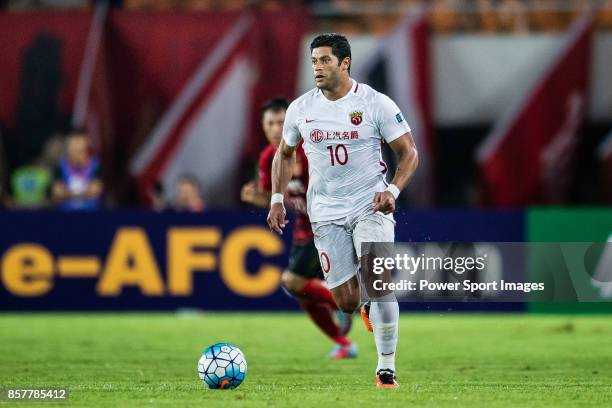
<point>304,261</point>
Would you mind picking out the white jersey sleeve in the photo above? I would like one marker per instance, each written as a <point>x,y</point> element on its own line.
<point>291,131</point>
<point>389,119</point>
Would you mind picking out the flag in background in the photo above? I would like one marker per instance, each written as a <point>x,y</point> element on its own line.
<point>213,122</point>
<point>400,67</point>
<point>89,111</point>
<point>528,156</point>
<point>204,126</point>
<point>168,93</point>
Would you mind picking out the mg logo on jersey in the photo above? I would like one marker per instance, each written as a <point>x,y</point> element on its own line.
<point>356,117</point>
<point>316,135</point>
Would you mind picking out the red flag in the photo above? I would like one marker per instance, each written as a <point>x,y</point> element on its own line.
<point>528,156</point>
<point>206,125</point>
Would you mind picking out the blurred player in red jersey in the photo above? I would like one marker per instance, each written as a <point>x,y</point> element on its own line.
<point>303,278</point>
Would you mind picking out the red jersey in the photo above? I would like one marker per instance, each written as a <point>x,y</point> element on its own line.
<point>296,189</point>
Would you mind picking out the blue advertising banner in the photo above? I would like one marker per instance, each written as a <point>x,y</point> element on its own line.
<point>220,260</point>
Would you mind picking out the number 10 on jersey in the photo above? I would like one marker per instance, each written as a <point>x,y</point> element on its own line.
<point>339,154</point>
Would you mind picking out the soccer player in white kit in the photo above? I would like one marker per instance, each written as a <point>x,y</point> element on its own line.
<point>343,124</point>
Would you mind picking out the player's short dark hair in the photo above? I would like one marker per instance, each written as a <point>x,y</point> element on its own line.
<point>275,105</point>
<point>338,43</point>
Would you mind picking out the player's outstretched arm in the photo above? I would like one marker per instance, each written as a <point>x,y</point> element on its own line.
<point>408,160</point>
<point>282,170</point>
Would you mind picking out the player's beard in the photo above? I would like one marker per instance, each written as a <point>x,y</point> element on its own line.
<point>331,83</point>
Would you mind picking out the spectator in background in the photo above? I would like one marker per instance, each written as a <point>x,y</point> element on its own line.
<point>512,17</point>
<point>444,16</point>
<point>30,185</point>
<point>545,16</point>
<point>158,198</point>
<point>77,184</point>
<point>487,20</point>
<point>188,195</point>
<point>604,15</point>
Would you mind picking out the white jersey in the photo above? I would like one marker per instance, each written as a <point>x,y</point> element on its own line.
<point>342,140</point>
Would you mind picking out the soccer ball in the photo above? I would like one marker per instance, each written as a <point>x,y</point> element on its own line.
<point>222,366</point>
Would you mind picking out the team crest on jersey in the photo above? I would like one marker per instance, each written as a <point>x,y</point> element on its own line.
<point>356,117</point>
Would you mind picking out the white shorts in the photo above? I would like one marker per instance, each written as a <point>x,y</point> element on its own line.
<point>339,243</point>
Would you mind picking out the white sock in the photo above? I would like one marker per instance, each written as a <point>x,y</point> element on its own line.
<point>384,316</point>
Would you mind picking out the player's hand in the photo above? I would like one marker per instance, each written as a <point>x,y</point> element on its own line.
<point>384,202</point>
<point>247,194</point>
<point>276,218</point>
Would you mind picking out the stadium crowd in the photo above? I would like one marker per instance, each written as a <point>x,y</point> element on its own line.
<point>66,175</point>
<point>378,16</point>
<point>60,172</point>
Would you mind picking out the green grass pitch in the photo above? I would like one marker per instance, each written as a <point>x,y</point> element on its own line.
<point>450,360</point>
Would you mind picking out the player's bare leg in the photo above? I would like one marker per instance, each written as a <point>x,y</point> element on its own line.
<point>348,295</point>
<point>347,298</point>
<point>318,303</point>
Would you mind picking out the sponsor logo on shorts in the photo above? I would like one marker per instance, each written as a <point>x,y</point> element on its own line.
<point>325,264</point>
